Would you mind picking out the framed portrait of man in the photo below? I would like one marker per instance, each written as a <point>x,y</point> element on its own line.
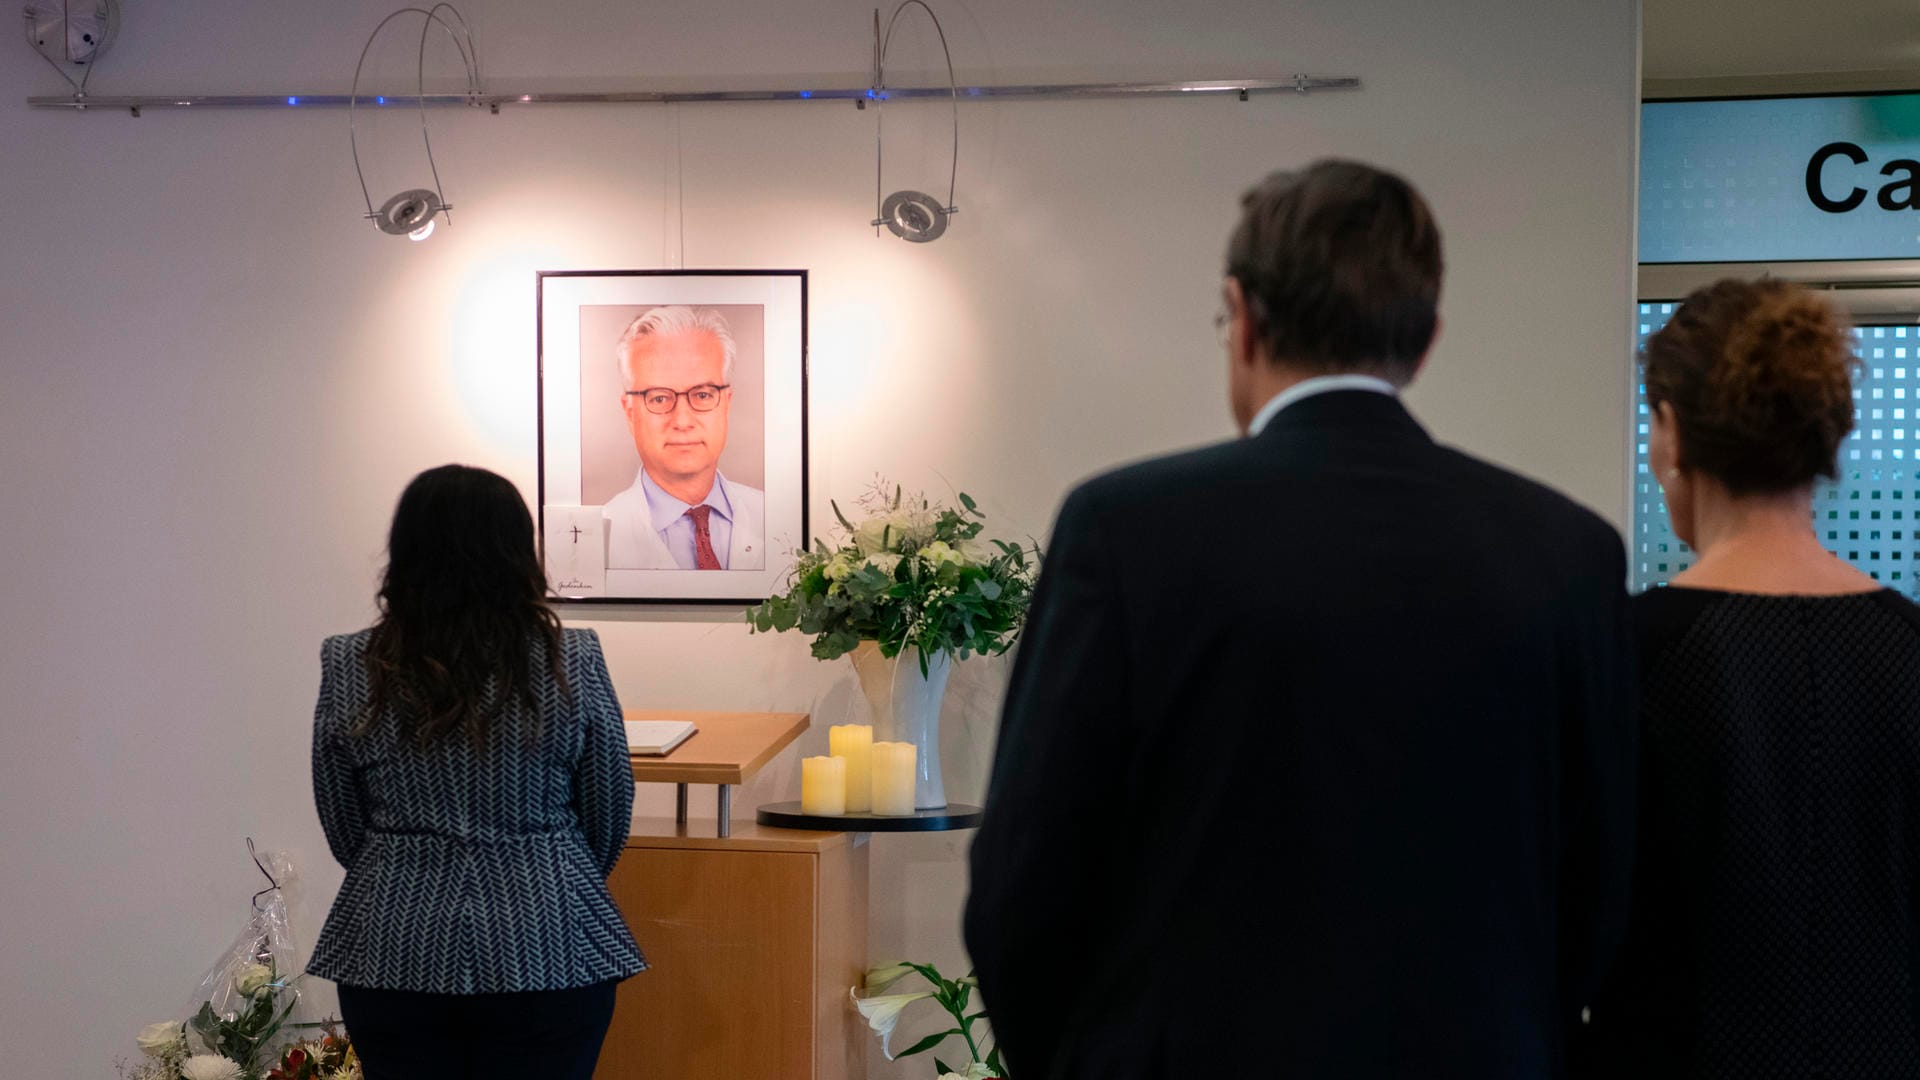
<point>673,433</point>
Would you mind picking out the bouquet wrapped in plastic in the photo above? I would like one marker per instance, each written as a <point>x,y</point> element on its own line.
<point>236,1026</point>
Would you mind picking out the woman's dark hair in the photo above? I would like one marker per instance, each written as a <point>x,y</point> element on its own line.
<point>462,602</point>
<point>1760,378</point>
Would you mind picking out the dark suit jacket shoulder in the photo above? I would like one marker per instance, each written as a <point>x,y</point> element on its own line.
<point>1335,707</point>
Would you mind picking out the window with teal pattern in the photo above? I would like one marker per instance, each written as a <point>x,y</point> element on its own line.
<point>1867,516</point>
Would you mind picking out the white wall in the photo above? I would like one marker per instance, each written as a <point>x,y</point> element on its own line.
<point>216,378</point>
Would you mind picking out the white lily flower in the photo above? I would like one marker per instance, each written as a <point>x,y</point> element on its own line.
<point>975,1071</point>
<point>882,1014</point>
<point>878,979</point>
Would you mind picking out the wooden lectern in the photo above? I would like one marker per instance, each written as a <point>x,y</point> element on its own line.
<point>754,934</point>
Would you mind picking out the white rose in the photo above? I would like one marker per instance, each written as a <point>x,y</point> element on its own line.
<point>870,536</point>
<point>913,525</point>
<point>978,552</point>
<point>249,979</point>
<point>209,1067</point>
<point>884,562</point>
<point>904,529</point>
<point>157,1040</point>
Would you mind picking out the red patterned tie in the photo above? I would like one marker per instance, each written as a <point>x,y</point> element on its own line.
<point>703,556</point>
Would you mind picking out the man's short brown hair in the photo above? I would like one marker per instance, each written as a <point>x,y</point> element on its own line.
<point>1340,264</point>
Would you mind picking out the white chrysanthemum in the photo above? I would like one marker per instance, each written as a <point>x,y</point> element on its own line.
<point>209,1067</point>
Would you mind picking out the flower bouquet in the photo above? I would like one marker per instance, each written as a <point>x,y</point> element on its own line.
<point>911,575</point>
<point>913,582</point>
<point>231,1045</point>
<point>240,1028</point>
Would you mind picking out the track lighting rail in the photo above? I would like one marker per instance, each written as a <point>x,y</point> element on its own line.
<point>1242,88</point>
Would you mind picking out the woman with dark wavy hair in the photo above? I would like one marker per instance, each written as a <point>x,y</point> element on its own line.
<point>471,774</point>
<point>1774,929</point>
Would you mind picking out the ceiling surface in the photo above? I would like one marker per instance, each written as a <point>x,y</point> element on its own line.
<point>1865,44</point>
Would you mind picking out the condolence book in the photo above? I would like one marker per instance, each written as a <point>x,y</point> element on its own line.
<point>656,738</point>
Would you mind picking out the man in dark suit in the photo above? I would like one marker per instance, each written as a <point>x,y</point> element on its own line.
<point>1339,782</point>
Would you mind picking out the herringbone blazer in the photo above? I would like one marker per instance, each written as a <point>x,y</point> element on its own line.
<point>475,872</point>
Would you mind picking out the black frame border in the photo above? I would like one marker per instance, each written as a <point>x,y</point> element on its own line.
<point>540,427</point>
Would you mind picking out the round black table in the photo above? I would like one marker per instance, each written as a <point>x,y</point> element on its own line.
<point>952,816</point>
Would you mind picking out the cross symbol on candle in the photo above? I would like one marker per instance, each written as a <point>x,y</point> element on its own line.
<point>576,534</point>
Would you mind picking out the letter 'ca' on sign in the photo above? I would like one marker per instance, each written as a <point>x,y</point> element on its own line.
<point>1902,193</point>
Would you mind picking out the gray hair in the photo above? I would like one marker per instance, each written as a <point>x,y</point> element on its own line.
<point>677,319</point>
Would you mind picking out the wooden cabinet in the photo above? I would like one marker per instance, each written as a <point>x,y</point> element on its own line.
<point>754,940</point>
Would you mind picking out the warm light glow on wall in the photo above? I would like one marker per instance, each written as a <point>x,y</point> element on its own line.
<point>894,347</point>
<point>492,346</point>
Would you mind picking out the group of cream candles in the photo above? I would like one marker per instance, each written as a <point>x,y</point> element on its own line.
<point>860,777</point>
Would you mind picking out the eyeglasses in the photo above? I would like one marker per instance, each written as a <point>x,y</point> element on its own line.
<point>659,399</point>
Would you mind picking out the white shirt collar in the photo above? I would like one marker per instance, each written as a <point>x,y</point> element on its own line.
<point>1319,384</point>
<point>664,509</point>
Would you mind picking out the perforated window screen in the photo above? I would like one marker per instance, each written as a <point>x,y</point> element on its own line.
<point>1868,516</point>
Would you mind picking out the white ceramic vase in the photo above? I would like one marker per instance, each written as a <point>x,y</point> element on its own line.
<point>906,708</point>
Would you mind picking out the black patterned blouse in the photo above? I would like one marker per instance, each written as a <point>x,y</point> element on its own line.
<point>1776,927</point>
<point>475,872</point>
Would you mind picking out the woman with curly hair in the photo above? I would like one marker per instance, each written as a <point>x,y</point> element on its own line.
<point>1775,928</point>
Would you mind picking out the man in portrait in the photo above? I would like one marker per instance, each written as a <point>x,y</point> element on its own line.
<point>681,513</point>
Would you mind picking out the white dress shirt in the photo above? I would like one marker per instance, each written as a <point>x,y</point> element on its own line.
<point>1319,384</point>
<point>678,532</point>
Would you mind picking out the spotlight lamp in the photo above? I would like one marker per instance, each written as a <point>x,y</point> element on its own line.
<point>913,216</point>
<point>414,213</point>
<point>71,35</point>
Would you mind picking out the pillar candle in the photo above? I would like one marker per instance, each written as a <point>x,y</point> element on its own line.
<point>854,742</point>
<point>823,786</point>
<point>893,768</point>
